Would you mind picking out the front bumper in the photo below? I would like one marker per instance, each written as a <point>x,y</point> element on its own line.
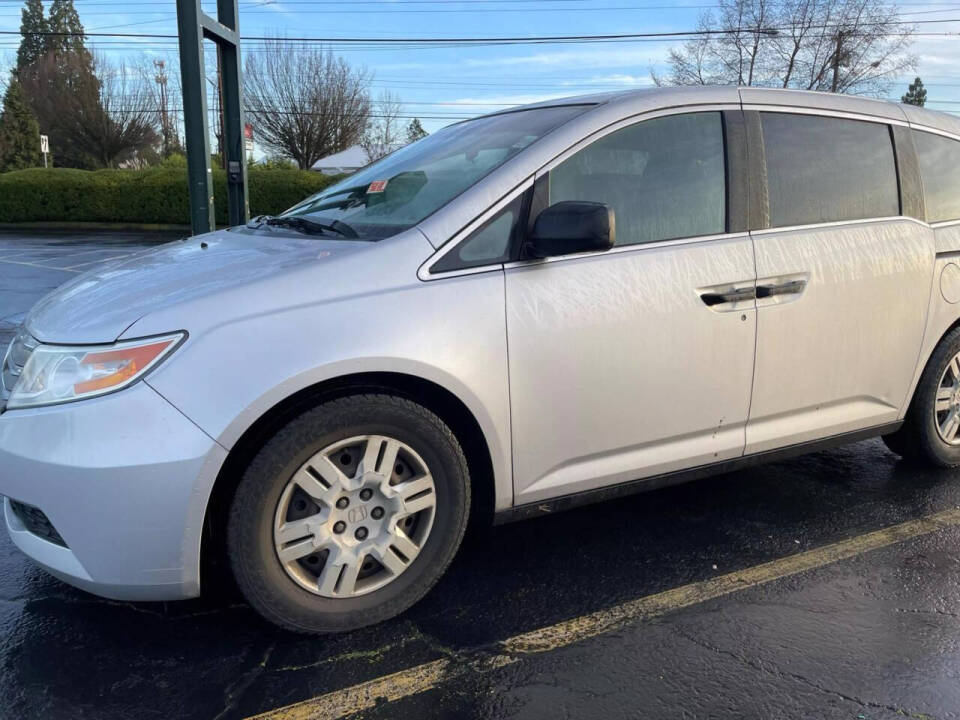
<point>124,479</point>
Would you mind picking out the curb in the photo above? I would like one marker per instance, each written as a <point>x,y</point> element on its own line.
<point>88,226</point>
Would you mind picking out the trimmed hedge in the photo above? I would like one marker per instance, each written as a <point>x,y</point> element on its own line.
<point>156,195</point>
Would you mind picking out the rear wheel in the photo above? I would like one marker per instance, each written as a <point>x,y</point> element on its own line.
<point>349,514</point>
<point>931,429</point>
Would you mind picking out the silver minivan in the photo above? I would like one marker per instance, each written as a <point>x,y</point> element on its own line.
<point>522,312</point>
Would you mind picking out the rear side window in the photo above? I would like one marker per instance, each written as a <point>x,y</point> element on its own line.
<point>940,169</point>
<point>825,169</point>
<point>664,178</point>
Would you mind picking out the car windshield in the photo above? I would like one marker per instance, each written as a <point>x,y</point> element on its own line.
<point>403,188</point>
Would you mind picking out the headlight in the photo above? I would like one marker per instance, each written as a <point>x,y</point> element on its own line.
<point>59,373</point>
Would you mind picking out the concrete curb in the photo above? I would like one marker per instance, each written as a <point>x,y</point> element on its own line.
<point>94,226</point>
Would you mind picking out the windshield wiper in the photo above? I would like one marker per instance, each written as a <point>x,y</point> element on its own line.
<point>305,225</point>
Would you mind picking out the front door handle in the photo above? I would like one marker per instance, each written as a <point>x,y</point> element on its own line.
<point>793,287</point>
<point>719,298</point>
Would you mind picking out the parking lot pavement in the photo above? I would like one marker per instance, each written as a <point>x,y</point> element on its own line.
<point>32,264</point>
<point>822,587</point>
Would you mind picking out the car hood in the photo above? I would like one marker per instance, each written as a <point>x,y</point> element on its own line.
<point>98,306</point>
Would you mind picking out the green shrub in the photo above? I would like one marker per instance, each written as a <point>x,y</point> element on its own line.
<point>174,160</point>
<point>155,195</point>
<point>275,163</point>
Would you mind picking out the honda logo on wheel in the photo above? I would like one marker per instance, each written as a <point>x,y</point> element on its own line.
<point>357,514</point>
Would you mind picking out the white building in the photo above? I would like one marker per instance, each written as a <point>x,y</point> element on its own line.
<point>345,161</point>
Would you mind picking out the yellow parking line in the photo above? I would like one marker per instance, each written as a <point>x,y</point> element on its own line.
<point>351,700</point>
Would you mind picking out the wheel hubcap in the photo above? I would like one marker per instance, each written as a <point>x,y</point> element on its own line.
<point>354,516</point>
<point>947,405</point>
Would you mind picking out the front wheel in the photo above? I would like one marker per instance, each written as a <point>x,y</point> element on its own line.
<point>349,514</point>
<point>931,429</point>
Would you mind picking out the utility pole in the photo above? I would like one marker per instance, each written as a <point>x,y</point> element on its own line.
<point>838,54</point>
<point>161,80</point>
<point>220,136</point>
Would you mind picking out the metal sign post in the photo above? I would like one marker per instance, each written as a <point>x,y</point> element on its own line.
<point>194,27</point>
<point>44,147</point>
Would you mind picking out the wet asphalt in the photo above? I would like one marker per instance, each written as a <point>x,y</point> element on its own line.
<point>876,635</point>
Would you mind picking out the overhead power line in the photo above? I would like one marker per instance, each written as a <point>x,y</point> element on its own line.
<point>257,9</point>
<point>253,3</point>
<point>252,10</point>
<point>484,40</point>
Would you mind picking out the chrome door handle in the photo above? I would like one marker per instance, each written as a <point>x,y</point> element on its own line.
<point>788,288</point>
<point>715,298</point>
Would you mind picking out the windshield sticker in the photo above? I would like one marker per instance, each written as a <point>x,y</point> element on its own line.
<point>377,186</point>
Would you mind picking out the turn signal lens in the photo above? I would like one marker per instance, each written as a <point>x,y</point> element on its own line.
<point>56,373</point>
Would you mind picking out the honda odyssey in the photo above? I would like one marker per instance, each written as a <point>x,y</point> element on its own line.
<point>521,312</point>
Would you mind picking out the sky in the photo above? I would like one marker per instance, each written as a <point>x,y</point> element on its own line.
<point>443,84</point>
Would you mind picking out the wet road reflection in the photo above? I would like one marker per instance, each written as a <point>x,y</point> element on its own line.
<point>64,653</point>
<point>873,636</point>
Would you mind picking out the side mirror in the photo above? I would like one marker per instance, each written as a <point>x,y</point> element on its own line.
<point>572,226</point>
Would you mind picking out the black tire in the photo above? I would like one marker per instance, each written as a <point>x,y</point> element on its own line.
<point>918,439</point>
<point>253,559</point>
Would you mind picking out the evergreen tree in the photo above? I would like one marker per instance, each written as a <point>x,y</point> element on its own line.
<point>19,132</point>
<point>916,94</point>
<point>69,50</point>
<point>62,87</point>
<point>415,131</point>
<point>33,43</point>
<point>64,19</point>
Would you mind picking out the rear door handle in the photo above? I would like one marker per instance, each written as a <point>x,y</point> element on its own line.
<point>792,287</point>
<point>719,298</point>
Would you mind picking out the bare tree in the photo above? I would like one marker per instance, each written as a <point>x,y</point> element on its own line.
<point>110,115</point>
<point>384,132</point>
<point>792,40</point>
<point>849,46</point>
<point>123,124</point>
<point>731,48</point>
<point>306,103</point>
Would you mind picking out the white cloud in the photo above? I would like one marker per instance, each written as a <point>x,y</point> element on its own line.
<point>619,58</point>
<point>614,79</point>
<point>506,100</point>
<point>276,6</point>
<point>633,58</point>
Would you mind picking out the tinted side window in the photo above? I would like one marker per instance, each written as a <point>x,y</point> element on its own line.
<point>940,169</point>
<point>664,178</point>
<point>488,244</point>
<point>824,169</point>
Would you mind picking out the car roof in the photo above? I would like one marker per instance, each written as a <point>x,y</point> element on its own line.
<point>758,96</point>
<point>606,109</point>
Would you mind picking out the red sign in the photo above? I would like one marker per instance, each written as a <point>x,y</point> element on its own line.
<point>248,131</point>
<point>377,186</point>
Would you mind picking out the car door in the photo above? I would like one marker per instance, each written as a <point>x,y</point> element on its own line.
<point>938,158</point>
<point>843,280</point>
<point>636,361</point>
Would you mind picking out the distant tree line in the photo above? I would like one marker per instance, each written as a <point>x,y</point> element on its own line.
<point>304,104</point>
<point>95,113</point>
<point>307,103</point>
<point>845,46</point>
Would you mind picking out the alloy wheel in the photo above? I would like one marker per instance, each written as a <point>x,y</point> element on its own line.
<point>355,516</point>
<point>947,404</point>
